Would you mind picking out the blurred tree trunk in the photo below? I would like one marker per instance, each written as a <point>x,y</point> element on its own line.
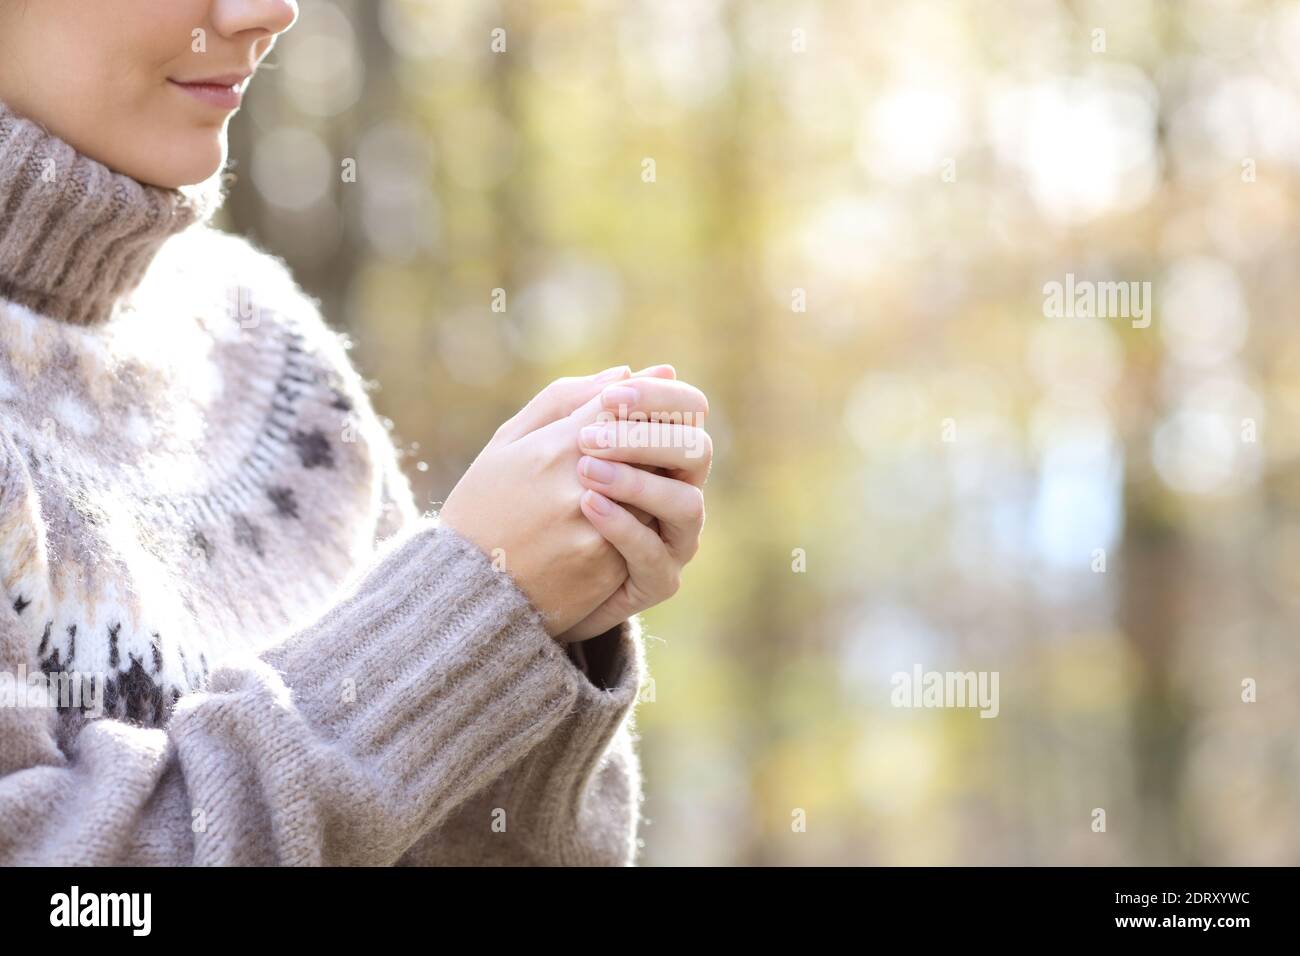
<point>730,300</point>
<point>327,277</point>
<point>1157,574</point>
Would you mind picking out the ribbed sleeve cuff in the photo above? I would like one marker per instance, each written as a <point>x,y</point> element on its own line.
<point>577,797</point>
<point>437,673</point>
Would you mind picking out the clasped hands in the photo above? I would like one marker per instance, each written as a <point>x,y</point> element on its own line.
<point>590,497</point>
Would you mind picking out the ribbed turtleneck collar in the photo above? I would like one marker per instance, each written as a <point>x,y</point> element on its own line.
<point>75,237</point>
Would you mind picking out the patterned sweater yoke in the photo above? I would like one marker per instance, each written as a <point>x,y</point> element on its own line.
<point>220,599</point>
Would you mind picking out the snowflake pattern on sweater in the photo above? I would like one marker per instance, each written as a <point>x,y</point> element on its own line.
<point>165,473</point>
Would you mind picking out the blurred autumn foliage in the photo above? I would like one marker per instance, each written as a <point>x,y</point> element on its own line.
<point>839,219</point>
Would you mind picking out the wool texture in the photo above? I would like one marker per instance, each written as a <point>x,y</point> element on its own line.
<point>228,634</point>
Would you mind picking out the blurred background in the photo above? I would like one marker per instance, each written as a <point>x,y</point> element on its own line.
<point>838,219</point>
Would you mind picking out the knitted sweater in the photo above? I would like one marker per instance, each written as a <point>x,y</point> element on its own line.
<point>227,634</point>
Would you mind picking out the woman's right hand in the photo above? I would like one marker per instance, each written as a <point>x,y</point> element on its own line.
<point>519,503</point>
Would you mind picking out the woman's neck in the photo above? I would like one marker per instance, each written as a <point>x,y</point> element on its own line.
<point>76,237</point>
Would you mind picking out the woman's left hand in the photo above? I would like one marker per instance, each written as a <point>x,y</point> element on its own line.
<point>609,472</point>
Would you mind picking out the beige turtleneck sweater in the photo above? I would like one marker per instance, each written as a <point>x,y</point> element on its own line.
<point>227,634</point>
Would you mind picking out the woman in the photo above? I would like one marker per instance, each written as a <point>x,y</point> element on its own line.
<point>259,650</point>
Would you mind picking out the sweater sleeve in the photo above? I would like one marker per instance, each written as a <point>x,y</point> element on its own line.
<point>343,744</point>
<point>576,797</point>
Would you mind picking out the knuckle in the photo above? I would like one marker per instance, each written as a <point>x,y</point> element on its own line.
<point>556,389</point>
<point>673,582</point>
<point>549,447</point>
<point>540,459</point>
<point>506,424</point>
<point>693,509</point>
<point>573,499</point>
<point>634,481</point>
<point>613,572</point>
<point>590,544</point>
<point>700,400</point>
<point>706,442</point>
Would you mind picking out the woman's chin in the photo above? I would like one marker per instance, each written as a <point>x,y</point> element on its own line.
<point>181,163</point>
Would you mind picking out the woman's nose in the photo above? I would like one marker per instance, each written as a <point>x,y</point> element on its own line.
<point>268,17</point>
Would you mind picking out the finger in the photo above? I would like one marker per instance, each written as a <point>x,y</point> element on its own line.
<point>658,371</point>
<point>606,616</point>
<point>556,401</point>
<point>643,516</point>
<point>684,451</point>
<point>650,399</point>
<point>656,399</point>
<point>678,506</point>
<point>652,572</point>
<point>663,398</point>
<point>589,410</point>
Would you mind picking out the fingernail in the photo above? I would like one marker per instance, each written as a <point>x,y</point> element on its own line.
<point>598,470</point>
<point>595,436</point>
<point>610,374</point>
<point>617,395</point>
<point>599,503</point>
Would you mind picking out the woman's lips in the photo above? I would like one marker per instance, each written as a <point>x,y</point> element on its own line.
<point>223,92</point>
